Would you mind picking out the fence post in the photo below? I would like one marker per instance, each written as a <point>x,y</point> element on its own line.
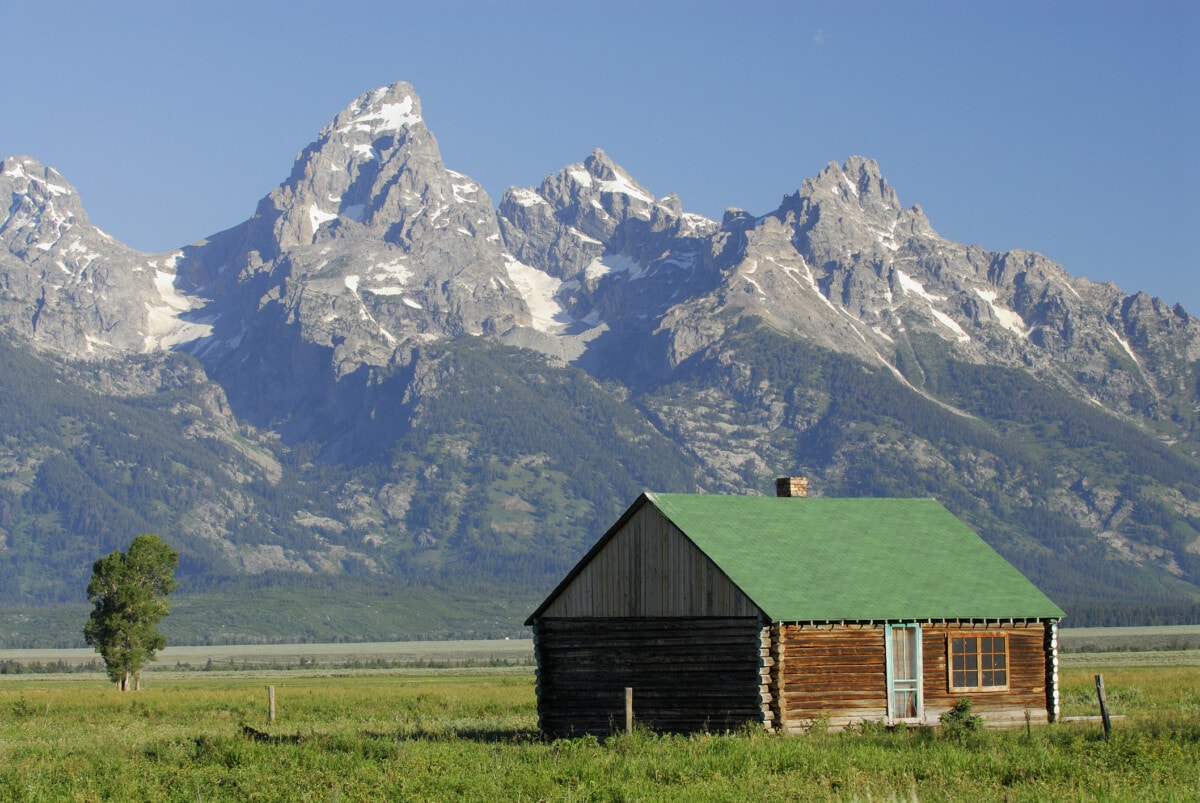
<point>270,703</point>
<point>629,709</point>
<point>1103,706</point>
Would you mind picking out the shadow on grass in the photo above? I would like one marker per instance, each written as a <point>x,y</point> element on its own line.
<point>478,735</point>
<point>255,735</point>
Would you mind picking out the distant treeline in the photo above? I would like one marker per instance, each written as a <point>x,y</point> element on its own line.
<point>1132,615</point>
<point>12,667</point>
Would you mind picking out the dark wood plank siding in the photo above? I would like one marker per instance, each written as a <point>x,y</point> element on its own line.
<point>649,568</point>
<point>1026,676</point>
<point>838,674</point>
<point>687,674</point>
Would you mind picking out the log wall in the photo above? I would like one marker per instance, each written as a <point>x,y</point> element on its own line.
<point>1026,674</point>
<point>687,674</point>
<point>836,675</point>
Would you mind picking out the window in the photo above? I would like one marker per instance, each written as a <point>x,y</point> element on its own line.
<point>978,662</point>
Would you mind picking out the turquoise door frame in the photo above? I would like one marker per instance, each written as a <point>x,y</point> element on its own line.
<point>904,668</point>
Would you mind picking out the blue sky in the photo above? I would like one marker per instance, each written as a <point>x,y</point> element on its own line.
<point>1067,128</point>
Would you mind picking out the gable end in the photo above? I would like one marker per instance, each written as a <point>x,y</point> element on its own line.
<point>646,567</point>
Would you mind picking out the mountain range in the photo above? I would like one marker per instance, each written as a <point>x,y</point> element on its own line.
<point>384,386</point>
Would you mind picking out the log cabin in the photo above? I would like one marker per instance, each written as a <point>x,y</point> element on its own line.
<point>788,613</point>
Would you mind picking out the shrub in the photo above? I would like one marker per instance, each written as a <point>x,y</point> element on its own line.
<point>959,718</point>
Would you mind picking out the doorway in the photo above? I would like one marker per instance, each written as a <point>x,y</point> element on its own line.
<point>905,702</point>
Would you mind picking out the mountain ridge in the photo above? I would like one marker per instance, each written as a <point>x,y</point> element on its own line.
<point>345,339</point>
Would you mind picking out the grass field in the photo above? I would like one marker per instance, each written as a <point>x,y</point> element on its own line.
<point>471,734</point>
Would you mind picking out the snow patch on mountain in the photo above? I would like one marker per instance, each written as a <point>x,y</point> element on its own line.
<point>462,186</point>
<point>696,225</point>
<point>527,197</point>
<point>623,185</point>
<point>1125,345</point>
<point>1007,318</point>
<point>539,291</point>
<point>382,117</point>
<point>611,264</point>
<point>364,314</point>
<point>911,285</point>
<point>165,326</point>
<point>317,216</point>
<point>811,281</point>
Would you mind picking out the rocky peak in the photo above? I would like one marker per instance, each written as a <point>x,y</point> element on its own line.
<point>71,288</point>
<point>370,244</point>
<point>375,165</point>
<point>588,209</point>
<point>842,264</point>
<point>43,206</point>
<point>603,248</point>
<point>858,182</point>
<point>597,196</point>
<point>603,168</point>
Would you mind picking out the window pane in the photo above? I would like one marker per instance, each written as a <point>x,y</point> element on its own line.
<point>978,662</point>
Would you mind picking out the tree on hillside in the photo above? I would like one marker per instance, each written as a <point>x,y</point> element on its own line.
<point>129,592</point>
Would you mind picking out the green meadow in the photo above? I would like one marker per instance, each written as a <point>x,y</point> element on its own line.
<point>470,734</point>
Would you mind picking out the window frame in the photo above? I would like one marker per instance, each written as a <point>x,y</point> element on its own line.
<point>978,670</point>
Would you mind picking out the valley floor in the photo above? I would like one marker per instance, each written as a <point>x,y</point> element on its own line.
<point>443,735</point>
<point>282,656</point>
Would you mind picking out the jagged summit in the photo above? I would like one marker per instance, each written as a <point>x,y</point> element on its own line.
<point>856,189</point>
<point>596,251</point>
<point>374,165</point>
<point>386,109</point>
<point>70,287</point>
<point>611,176</point>
<point>43,206</point>
<point>859,180</point>
<point>370,247</point>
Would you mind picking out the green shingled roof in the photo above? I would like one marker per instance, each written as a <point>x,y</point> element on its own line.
<point>818,559</point>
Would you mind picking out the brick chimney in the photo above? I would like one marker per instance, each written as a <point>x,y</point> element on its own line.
<point>791,486</point>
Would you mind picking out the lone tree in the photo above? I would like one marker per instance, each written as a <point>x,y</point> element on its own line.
<point>129,590</point>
